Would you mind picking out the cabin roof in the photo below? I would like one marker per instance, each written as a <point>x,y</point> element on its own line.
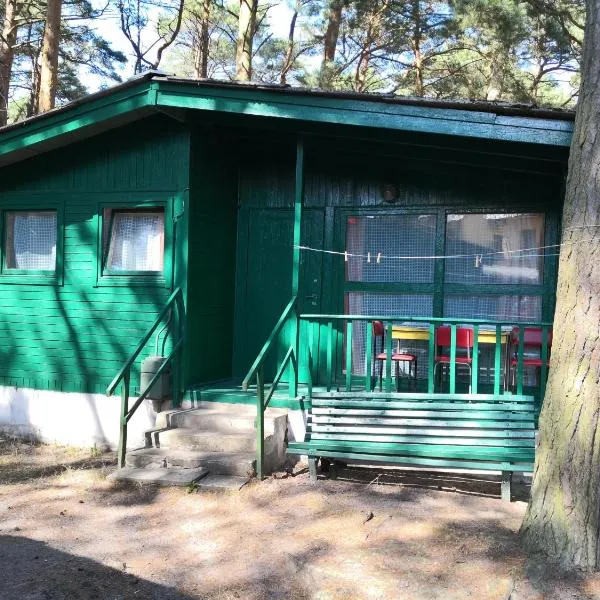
<point>154,92</point>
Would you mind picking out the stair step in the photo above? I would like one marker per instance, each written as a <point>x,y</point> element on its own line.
<point>218,463</point>
<point>162,477</point>
<point>222,482</point>
<point>208,440</point>
<point>213,419</point>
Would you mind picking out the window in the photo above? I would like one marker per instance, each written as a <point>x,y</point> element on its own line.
<point>133,240</point>
<point>30,241</point>
<point>391,235</point>
<point>507,244</point>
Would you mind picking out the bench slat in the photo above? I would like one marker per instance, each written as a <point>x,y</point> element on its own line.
<point>315,419</point>
<point>496,415</point>
<point>424,439</point>
<point>300,448</point>
<point>405,405</point>
<point>423,396</point>
<point>499,454</point>
<point>420,430</point>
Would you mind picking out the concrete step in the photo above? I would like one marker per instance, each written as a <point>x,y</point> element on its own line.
<point>162,477</point>
<point>217,463</point>
<point>208,440</point>
<point>222,483</point>
<point>221,417</point>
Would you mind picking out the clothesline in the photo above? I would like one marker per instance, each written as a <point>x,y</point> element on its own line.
<point>379,256</point>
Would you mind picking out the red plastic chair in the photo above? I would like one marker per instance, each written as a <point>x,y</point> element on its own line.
<point>532,339</point>
<point>397,357</point>
<point>464,341</point>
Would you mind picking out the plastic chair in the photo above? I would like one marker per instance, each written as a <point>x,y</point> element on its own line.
<point>464,342</point>
<point>532,340</point>
<point>397,357</point>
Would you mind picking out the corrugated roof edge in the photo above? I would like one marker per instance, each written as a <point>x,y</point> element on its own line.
<point>499,108</point>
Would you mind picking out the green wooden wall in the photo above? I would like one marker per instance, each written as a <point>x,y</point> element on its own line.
<point>75,335</point>
<point>211,260</point>
<point>346,180</point>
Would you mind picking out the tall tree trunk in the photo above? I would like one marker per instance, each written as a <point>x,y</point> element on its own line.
<point>245,40</point>
<point>202,41</point>
<point>288,61</point>
<point>563,516</point>
<point>7,42</point>
<point>49,62</point>
<point>334,21</point>
<point>416,46</point>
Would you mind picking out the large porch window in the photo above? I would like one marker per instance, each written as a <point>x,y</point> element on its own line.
<point>445,263</point>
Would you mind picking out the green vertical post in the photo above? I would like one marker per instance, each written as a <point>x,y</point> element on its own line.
<point>349,356</point>
<point>520,360</point>
<point>260,422</point>
<point>294,364</point>
<point>311,336</point>
<point>123,419</point>
<point>431,360</point>
<point>475,360</point>
<point>498,359</point>
<point>453,358</point>
<point>369,357</point>
<point>388,357</point>
<point>298,200</point>
<point>544,367</point>
<point>329,355</point>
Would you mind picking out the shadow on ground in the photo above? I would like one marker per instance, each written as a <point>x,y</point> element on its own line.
<point>33,570</point>
<point>471,484</point>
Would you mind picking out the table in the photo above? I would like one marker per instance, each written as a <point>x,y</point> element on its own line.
<point>487,335</point>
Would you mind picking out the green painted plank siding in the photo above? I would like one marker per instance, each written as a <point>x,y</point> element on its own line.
<point>211,259</point>
<point>75,336</point>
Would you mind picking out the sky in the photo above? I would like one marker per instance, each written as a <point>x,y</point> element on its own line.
<point>109,27</point>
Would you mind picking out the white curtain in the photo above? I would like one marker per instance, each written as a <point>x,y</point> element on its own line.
<point>31,241</point>
<point>137,242</point>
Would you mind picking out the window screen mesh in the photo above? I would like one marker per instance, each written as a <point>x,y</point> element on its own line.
<point>495,308</point>
<point>502,240</point>
<point>390,235</point>
<point>415,305</point>
<point>136,241</point>
<point>31,241</point>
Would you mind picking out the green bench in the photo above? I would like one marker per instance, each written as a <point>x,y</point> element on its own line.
<point>465,431</point>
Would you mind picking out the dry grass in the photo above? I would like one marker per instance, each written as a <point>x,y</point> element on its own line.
<point>68,532</point>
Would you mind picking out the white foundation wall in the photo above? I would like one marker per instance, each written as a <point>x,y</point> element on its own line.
<point>74,419</point>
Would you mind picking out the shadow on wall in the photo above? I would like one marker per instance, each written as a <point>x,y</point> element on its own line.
<point>33,570</point>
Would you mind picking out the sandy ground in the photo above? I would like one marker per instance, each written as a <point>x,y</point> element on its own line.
<point>67,532</point>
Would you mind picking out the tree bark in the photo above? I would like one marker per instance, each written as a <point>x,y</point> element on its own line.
<point>563,516</point>
<point>49,62</point>
<point>288,61</point>
<point>245,40</point>
<point>416,47</point>
<point>202,41</point>
<point>334,21</point>
<point>7,42</point>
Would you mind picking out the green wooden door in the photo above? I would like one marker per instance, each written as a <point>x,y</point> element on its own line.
<point>264,279</point>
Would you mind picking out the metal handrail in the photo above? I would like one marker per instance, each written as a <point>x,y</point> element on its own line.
<point>440,320</point>
<point>260,359</point>
<point>129,363</point>
<point>124,375</point>
<point>258,369</point>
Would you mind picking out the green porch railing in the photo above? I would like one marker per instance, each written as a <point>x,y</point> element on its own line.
<point>508,348</point>
<point>258,370</point>
<point>175,301</point>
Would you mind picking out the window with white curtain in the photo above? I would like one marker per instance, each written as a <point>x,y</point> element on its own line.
<point>134,239</point>
<point>30,240</point>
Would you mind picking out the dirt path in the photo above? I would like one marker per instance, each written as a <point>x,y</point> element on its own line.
<point>66,532</point>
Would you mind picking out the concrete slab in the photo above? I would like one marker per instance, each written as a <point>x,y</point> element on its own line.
<point>222,482</point>
<point>162,477</point>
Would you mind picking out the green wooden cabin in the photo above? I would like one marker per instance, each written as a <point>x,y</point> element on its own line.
<point>231,184</point>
